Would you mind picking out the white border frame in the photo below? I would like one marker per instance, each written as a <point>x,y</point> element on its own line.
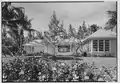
<point>118,32</point>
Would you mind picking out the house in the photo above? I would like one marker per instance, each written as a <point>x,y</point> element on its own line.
<point>63,47</point>
<point>101,42</point>
<point>115,29</point>
<point>66,47</point>
<point>38,46</point>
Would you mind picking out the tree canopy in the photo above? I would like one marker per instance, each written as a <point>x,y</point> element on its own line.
<point>14,21</point>
<point>112,22</point>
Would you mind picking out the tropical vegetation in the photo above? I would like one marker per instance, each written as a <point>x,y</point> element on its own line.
<point>39,70</point>
<point>15,23</point>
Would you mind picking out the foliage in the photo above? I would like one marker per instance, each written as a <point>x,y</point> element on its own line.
<point>80,33</point>
<point>94,28</point>
<point>39,35</point>
<point>37,69</point>
<point>55,28</point>
<point>84,27</point>
<point>14,22</point>
<point>72,32</point>
<point>112,22</point>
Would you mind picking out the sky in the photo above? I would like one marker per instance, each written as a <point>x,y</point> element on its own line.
<point>70,13</point>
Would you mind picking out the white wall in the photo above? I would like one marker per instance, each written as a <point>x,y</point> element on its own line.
<point>114,46</point>
<point>38,48</point>
<point>87,46</point>
<point>72,49</point>
<point>50,49</point>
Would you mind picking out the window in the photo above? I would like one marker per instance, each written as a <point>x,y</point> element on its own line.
<point>107,45</point>
<point>101,45</point>
<point>95,45</point>
<point>65,48</point>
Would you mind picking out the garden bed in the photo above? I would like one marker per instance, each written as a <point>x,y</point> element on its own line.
<point>37,69</point>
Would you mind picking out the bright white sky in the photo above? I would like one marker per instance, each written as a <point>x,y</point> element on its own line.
<point>70,13</point>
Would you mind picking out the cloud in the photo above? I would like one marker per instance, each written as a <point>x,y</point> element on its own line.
<point>70,13</point>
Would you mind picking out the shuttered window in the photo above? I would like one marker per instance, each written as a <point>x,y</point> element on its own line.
<point>64,48</point>
<point>95,45</point>
<point>107,45</point>
<point>101,45</point>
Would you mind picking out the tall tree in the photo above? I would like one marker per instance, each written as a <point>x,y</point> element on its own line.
<point>55,30</point>
<point>112,22</point>
<point>80,33</point>
<point>89,32</point>
<point>84,27</point>
<point>72,32</point>
<point>94,28</point>
<point>14,19</point>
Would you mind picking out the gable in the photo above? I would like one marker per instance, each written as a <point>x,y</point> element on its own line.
<point>101,33</point>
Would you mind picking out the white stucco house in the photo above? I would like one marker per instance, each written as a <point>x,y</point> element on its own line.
<point>62,47</point>
<point>38,46</point>
<point>66,46</point>
<point>100,43</point>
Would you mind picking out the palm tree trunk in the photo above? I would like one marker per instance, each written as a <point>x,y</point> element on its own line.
<point>21,40</point>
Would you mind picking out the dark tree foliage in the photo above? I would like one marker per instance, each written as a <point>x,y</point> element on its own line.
<point>14,21</point>
<point>94,28</point>
<point>112,22</point>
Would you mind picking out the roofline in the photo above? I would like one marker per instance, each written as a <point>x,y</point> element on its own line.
<point>97,38</point>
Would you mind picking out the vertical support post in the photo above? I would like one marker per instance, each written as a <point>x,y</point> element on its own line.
<point>91,46</point>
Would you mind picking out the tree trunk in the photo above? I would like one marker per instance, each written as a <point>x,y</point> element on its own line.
<point>21,41</point>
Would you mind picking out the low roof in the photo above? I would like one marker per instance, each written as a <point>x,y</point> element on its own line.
<point>27,44</point>
<point>34,43</point>
<point>101,33</point>
<point>68,41</point>
<point>38,41</point>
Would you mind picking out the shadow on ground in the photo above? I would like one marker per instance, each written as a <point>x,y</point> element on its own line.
<point>64,58</point>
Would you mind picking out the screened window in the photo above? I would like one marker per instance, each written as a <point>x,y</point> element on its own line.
<point>101,45</point>
<point>107,45</point>
<point>63,48</point>
<point>95,45</point>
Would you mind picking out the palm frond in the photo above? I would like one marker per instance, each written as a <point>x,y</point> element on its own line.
<point>112,21</point>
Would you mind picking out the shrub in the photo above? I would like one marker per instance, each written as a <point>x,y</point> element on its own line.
<point>37,69</point>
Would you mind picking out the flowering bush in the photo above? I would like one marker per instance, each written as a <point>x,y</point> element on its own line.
<point>37,69</point>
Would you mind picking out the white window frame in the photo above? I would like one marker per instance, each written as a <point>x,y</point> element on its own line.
<point>103,46</point>
<point>97,46</point>
<point>64,52</point>
<point>109,46</point>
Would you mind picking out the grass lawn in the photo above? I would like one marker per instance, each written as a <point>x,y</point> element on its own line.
<point>99,61</point>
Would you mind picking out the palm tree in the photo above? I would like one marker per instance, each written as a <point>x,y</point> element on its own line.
<point>112,22</point>
<point>14,19</point>
<point>31,34</point>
